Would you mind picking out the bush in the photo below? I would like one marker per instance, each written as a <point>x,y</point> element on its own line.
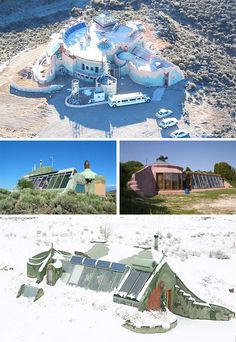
<point>218,255</point>
<point>30,201</point>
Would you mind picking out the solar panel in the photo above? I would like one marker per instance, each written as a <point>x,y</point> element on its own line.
<point>138,284</point>
<point>129,282</point>
<point>103,264</point>
<point>117,267</point>
<point>89,262</point>
<point>77,260</point>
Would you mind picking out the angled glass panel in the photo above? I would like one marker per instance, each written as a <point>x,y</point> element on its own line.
<point>65,180</point>
<point>76,274</point>
<point>108,281</point>
<point>52,182</point>
<point>198,181</point>
<point>96,280</point>
<point>86,277</point>
<point>193,182</point>
<point>117,279</point>
<point>210,181</point>
<point>58,181</point>
<point>213,181</point>
<point>216,181</point>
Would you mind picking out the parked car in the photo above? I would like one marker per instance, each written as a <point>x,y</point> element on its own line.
<point>163,113</point>
<point>169,122</point>
<point>180,133</point>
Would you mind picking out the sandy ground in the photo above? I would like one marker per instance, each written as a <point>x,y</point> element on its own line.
<point>226,204</point>
<point>65,311</point>
<point>205,120</point>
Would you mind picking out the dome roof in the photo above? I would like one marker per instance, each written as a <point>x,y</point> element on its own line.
<point>104,45</point>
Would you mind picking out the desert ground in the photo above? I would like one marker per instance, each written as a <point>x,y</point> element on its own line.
<point>201,250</point>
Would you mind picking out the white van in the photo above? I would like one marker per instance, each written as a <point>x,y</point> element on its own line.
<point>127,99</point>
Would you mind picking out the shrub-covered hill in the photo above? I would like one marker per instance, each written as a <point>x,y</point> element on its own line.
<point>28,201</point>
<point>201,46</point>
<point>217,19</point>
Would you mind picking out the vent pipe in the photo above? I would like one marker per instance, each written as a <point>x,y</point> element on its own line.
<point>156,242</point>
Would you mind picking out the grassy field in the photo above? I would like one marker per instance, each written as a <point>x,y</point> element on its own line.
<point>207,202</point>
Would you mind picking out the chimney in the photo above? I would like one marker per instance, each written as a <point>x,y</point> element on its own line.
<point>156,242</point>
<point>40,163</point>
<point>87,164</point>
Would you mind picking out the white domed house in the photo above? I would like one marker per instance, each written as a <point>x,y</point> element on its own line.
<point>81,48</point>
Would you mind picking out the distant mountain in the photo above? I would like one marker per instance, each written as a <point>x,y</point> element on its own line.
<point>111,188</point>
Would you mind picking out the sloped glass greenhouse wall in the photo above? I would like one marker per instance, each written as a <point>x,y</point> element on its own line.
<point>97,275</point>
<point>51,181</point>
<point>201,181</point>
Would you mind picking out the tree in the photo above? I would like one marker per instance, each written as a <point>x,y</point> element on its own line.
<point>25,183</point>
<point>188,169</point>
<point>225,170</point>
<point>126,171</point>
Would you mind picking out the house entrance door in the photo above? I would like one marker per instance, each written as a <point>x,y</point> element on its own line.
<point>168,299</point>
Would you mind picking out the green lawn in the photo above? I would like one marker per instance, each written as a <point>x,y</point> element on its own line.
<point>206,202</point>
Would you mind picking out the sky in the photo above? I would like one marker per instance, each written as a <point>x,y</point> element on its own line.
<point>198,155</point>
<point>18,158</point>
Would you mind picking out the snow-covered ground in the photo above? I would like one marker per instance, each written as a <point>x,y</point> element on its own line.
<point>194,245</point>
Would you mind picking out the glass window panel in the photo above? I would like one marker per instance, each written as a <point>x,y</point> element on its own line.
<point>58,181</point>
<point>65,181</point>
<point>217,181</point>
<point>86,277</point>
<point>52,182</point>
<point>210,181</point>
<point>159,181</point>
<point>180,177</point>
<point>193,184</point>
<point>213,181</point>
<point>206,181</point>
<point>198,182</point>
<point>175,181</point>
<point>117,280</point>
<point>76,274</point>
<point>108,280</point>
<point>167,181</point>
<point>96,279</point>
